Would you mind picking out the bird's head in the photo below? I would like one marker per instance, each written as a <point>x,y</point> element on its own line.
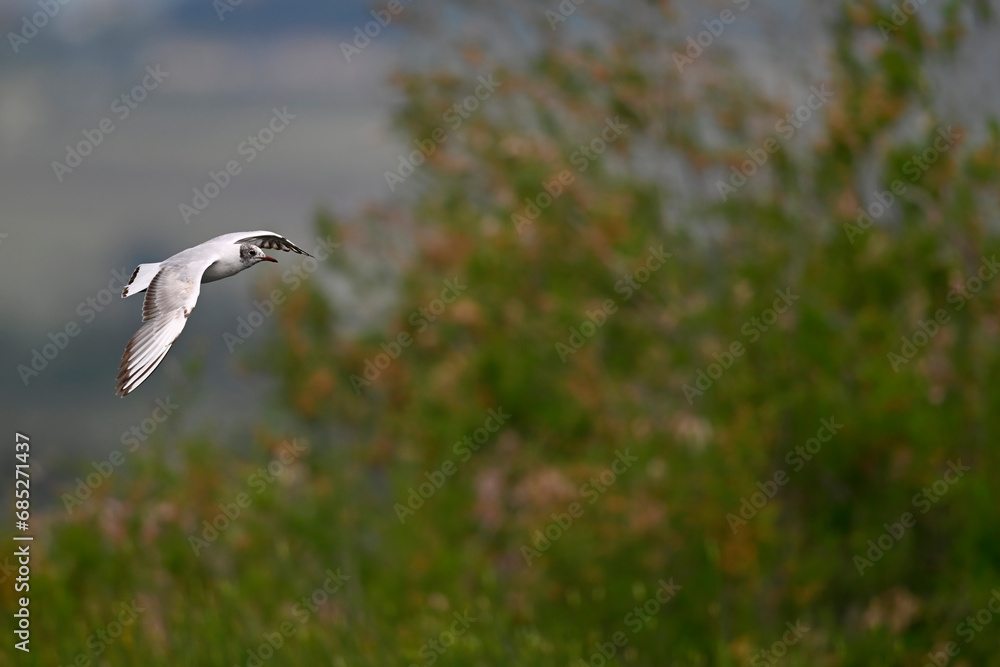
<point>251,254</point>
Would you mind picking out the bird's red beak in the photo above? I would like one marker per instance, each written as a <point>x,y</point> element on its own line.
<point>270,259</point>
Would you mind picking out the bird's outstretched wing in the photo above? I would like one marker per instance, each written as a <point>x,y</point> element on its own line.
<point>270,241</point>
<point>170,298</point>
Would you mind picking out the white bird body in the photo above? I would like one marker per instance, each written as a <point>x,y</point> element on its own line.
<point>172,287</point>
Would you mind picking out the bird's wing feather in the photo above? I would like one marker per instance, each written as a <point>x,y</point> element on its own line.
<point>268,241</point>
<point>169,300</point>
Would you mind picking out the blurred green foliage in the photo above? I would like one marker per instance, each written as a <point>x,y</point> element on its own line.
<point>531,282</point>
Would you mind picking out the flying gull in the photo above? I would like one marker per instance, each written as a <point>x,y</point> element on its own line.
<point>172,288</point>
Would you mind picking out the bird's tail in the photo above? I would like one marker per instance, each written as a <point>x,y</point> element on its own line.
<point>141,277</point>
